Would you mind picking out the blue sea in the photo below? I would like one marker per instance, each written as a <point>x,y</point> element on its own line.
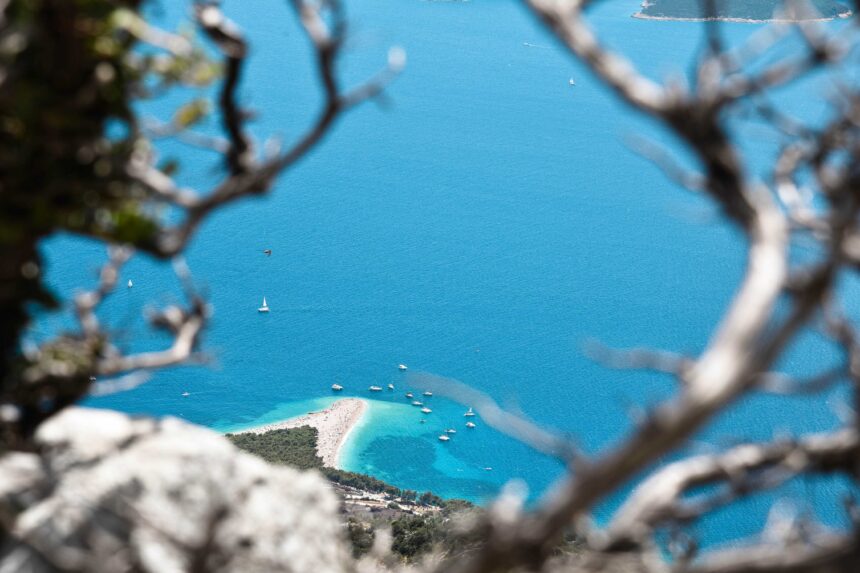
<point>483,223</point>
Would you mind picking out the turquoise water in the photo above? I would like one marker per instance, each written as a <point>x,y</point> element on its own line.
<point>482,226</point>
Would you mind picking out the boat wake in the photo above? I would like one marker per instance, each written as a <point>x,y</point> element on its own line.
<point>538,46</point>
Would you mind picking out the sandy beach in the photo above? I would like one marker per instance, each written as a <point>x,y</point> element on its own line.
<point>333,425</point>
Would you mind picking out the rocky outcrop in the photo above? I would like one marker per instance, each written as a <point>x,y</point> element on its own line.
<point>108,493</point>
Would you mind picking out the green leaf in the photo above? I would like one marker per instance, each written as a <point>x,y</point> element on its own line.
<point>191,113</point>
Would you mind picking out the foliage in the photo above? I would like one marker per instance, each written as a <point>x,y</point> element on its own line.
<point>76,156</point>
<point>361,536</point>
<point>293,447</point>
<point>71,72</point>
<point>297,447</point>
<point>413,535</point>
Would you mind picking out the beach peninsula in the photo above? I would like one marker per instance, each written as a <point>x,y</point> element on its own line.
<point>743,10</point>
<point>333,426</point>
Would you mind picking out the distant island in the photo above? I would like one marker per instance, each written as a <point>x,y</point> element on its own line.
<point>740,10</point>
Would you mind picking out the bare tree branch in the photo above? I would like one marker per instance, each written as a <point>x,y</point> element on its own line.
<point>749,338</point>
<point>327,39</point>
<point>826,552</point>
<point>229,40</point>
<point>659,498</point>
<point>87,302</point>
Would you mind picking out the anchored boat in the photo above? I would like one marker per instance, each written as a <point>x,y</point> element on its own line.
<point>265,307</point>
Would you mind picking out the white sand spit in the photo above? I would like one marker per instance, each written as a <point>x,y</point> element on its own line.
<point>332,424</point>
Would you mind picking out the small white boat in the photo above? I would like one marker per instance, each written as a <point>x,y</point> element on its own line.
<point>336,387</point>
<point>428,393</point>
<point>186,394</point>
<point>426,410</point>
<point>417,403</point>
<point>444,438</point>
<point>469,413</point>
<point>470,424</point>
<point>410,395</point>
<point>265,307</point>
<point>488,469</point>
<point>391,386</point>
<point>130,284</point>
<point>402,367</point>
<point>450,431</point>
<point>571,82</point>
<point>375,388</point>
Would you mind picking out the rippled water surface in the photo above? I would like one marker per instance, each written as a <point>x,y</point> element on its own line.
<point>482,225</point>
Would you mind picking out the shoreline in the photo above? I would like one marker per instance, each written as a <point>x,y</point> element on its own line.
<point>840,16</point>
<point>641,15</point>
<point>333,424</point>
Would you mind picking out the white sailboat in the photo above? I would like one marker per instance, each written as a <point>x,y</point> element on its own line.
<point>265,307</point>
<point>130,284</point>
<point>469,413</point>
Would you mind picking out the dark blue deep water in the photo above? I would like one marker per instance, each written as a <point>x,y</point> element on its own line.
<point>482,225</point>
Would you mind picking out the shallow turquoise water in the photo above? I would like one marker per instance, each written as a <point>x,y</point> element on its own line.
<point>482,227</point>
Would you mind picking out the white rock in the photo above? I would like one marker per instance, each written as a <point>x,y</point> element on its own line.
<point>112,493</point>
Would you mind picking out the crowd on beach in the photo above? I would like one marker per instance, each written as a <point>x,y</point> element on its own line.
<point>332,424</point>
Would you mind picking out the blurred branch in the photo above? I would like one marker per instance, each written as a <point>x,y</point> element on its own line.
<point>71,362</point>
<point>86,303</point>
<point>720,375</point>
<point>246,179</point>
<point>685,178</point>
<point>744,470</point>
<point>830,552</point>
<point>565,19</point>
<point>185,325</point>
<point>514,425</point>
<point>750,336</point>
<point>640,359</point>
<point>232,45</point>
<point>122,384</point>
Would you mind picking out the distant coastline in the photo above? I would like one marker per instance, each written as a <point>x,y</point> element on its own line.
<point>847,13</point>
<point>334,425</point>
<point>641,16</point>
